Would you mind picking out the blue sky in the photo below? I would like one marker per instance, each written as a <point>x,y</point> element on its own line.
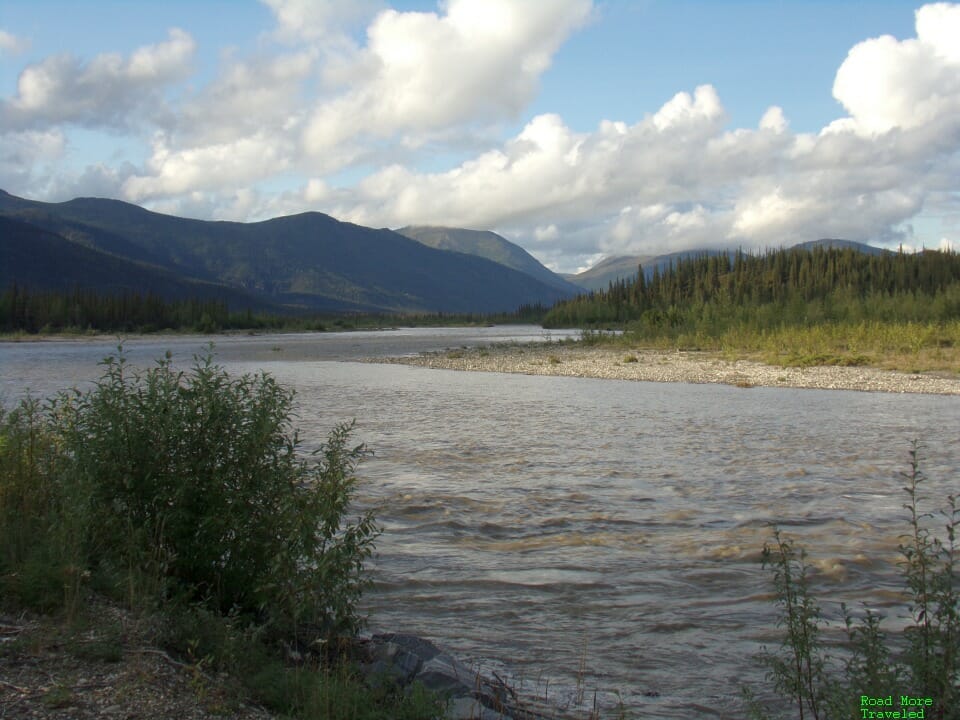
<point>578,129</point>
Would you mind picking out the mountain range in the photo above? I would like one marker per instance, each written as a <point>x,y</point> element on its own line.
<point>305,262</point>
<point>298,263</point>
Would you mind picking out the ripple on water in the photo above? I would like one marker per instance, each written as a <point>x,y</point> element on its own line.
<point>537,521</point>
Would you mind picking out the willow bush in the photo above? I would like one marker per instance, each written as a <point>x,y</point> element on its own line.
<point>189,487</point>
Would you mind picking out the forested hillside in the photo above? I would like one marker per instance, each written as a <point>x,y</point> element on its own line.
<point>308,262</point>
<point>782,287</point>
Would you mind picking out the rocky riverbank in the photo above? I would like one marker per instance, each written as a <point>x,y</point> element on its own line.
<point>575,360</point>
<point>110,666</point>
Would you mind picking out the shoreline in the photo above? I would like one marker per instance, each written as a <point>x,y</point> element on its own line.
<point>696,367</point>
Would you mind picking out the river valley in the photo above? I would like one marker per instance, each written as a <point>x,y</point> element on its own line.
<point>582,535</point>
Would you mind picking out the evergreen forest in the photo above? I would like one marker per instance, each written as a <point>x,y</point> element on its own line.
<point>28,311</point>
<point>794,286</point>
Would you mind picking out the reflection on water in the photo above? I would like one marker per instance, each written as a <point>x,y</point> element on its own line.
<point>534,522</point>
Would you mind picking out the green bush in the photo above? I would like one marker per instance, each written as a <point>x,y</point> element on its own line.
<point>41,564</point>
<point>185,486</point>
<point>924,662</point>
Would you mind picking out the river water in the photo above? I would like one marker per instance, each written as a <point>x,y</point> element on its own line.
<point>588,536</point>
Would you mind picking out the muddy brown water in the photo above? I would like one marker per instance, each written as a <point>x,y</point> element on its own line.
<point>588,538</point>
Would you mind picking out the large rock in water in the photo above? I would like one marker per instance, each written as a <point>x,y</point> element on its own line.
<point>407,659</point>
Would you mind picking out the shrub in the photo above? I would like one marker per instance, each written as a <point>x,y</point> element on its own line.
<point>186,486</point>
<point>40,516</point>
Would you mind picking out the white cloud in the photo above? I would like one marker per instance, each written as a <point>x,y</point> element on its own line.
<point>546,233</point>
<point>10,44</point>
<point>682,111</point>
<point>247,97</point>
<point>417,85</point>
<point>106,91</point>
<point>420,73</point>
<point>774,119</point>
<point>319,19</point>
<point>678,179</point>
<point>885,83</point>
<point>224,165</point>
<point>27,155</point>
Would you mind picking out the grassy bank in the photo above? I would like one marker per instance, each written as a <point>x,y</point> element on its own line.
<point>790,307</point>
<point>905,346</point>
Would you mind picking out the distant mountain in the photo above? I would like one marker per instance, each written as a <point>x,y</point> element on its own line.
<point>833,243</point>
<point>486,244</point>
<point>609,270</point>
<point>35,258</point>
<point>301,262</point>
<point>624,267</point>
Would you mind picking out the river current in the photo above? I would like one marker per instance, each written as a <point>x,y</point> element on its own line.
<point>588,537</point>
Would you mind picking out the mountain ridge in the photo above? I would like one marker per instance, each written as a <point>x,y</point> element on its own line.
<point>299,262</point>
<point>488,244</point>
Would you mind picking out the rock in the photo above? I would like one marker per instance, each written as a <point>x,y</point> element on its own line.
<point>407,659</point>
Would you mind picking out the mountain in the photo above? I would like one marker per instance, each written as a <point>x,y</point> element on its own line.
<point>486,244</point>
<point>308,261</point>
<point>624,267</point>
<point>609,270</point>
<point>836,244</point>
<point>33,257</point>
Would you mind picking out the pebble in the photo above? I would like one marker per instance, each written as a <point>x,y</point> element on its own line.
<point>674,366</point>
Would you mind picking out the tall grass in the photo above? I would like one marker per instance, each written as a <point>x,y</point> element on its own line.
<point>907,346</point>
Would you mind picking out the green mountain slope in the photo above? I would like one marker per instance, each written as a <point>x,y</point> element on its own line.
<point>486,244</point>
<point>306,261</point>
<point>41,260</point>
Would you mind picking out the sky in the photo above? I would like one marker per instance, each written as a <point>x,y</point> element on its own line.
<point>578,129</point>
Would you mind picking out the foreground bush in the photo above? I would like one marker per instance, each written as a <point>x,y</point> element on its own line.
<point>923,664</point>
<point>188,487</point>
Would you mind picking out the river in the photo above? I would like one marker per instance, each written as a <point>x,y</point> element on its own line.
<point>588,536</point>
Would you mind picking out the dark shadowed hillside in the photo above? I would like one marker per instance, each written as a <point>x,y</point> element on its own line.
<point>306,261</point>
<point>41,260</point>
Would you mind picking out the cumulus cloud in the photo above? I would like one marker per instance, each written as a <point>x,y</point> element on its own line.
<point>319,19</point>
<point>228,164</point>
<point>104,92</point>
<point>27,155</point>
<point>885,83</point>
<point>680,179</point>
<point>246,97</point>
<point>374,93</point>
<point>10,44</point>
<point>420,78</point>
<point>480,61</point>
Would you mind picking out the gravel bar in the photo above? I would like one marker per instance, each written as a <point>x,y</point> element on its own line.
<point>573,360</point>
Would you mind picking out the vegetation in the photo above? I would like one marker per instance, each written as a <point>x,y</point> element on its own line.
<point>79,311</point>
<point>186,494</point>
<point>791,307</point>
<point>309,261</point>
<point>922,664</point>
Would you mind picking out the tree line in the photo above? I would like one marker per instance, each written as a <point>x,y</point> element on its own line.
<point>789,286</point>
<point>81,310</point>
<point>24,310</point>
